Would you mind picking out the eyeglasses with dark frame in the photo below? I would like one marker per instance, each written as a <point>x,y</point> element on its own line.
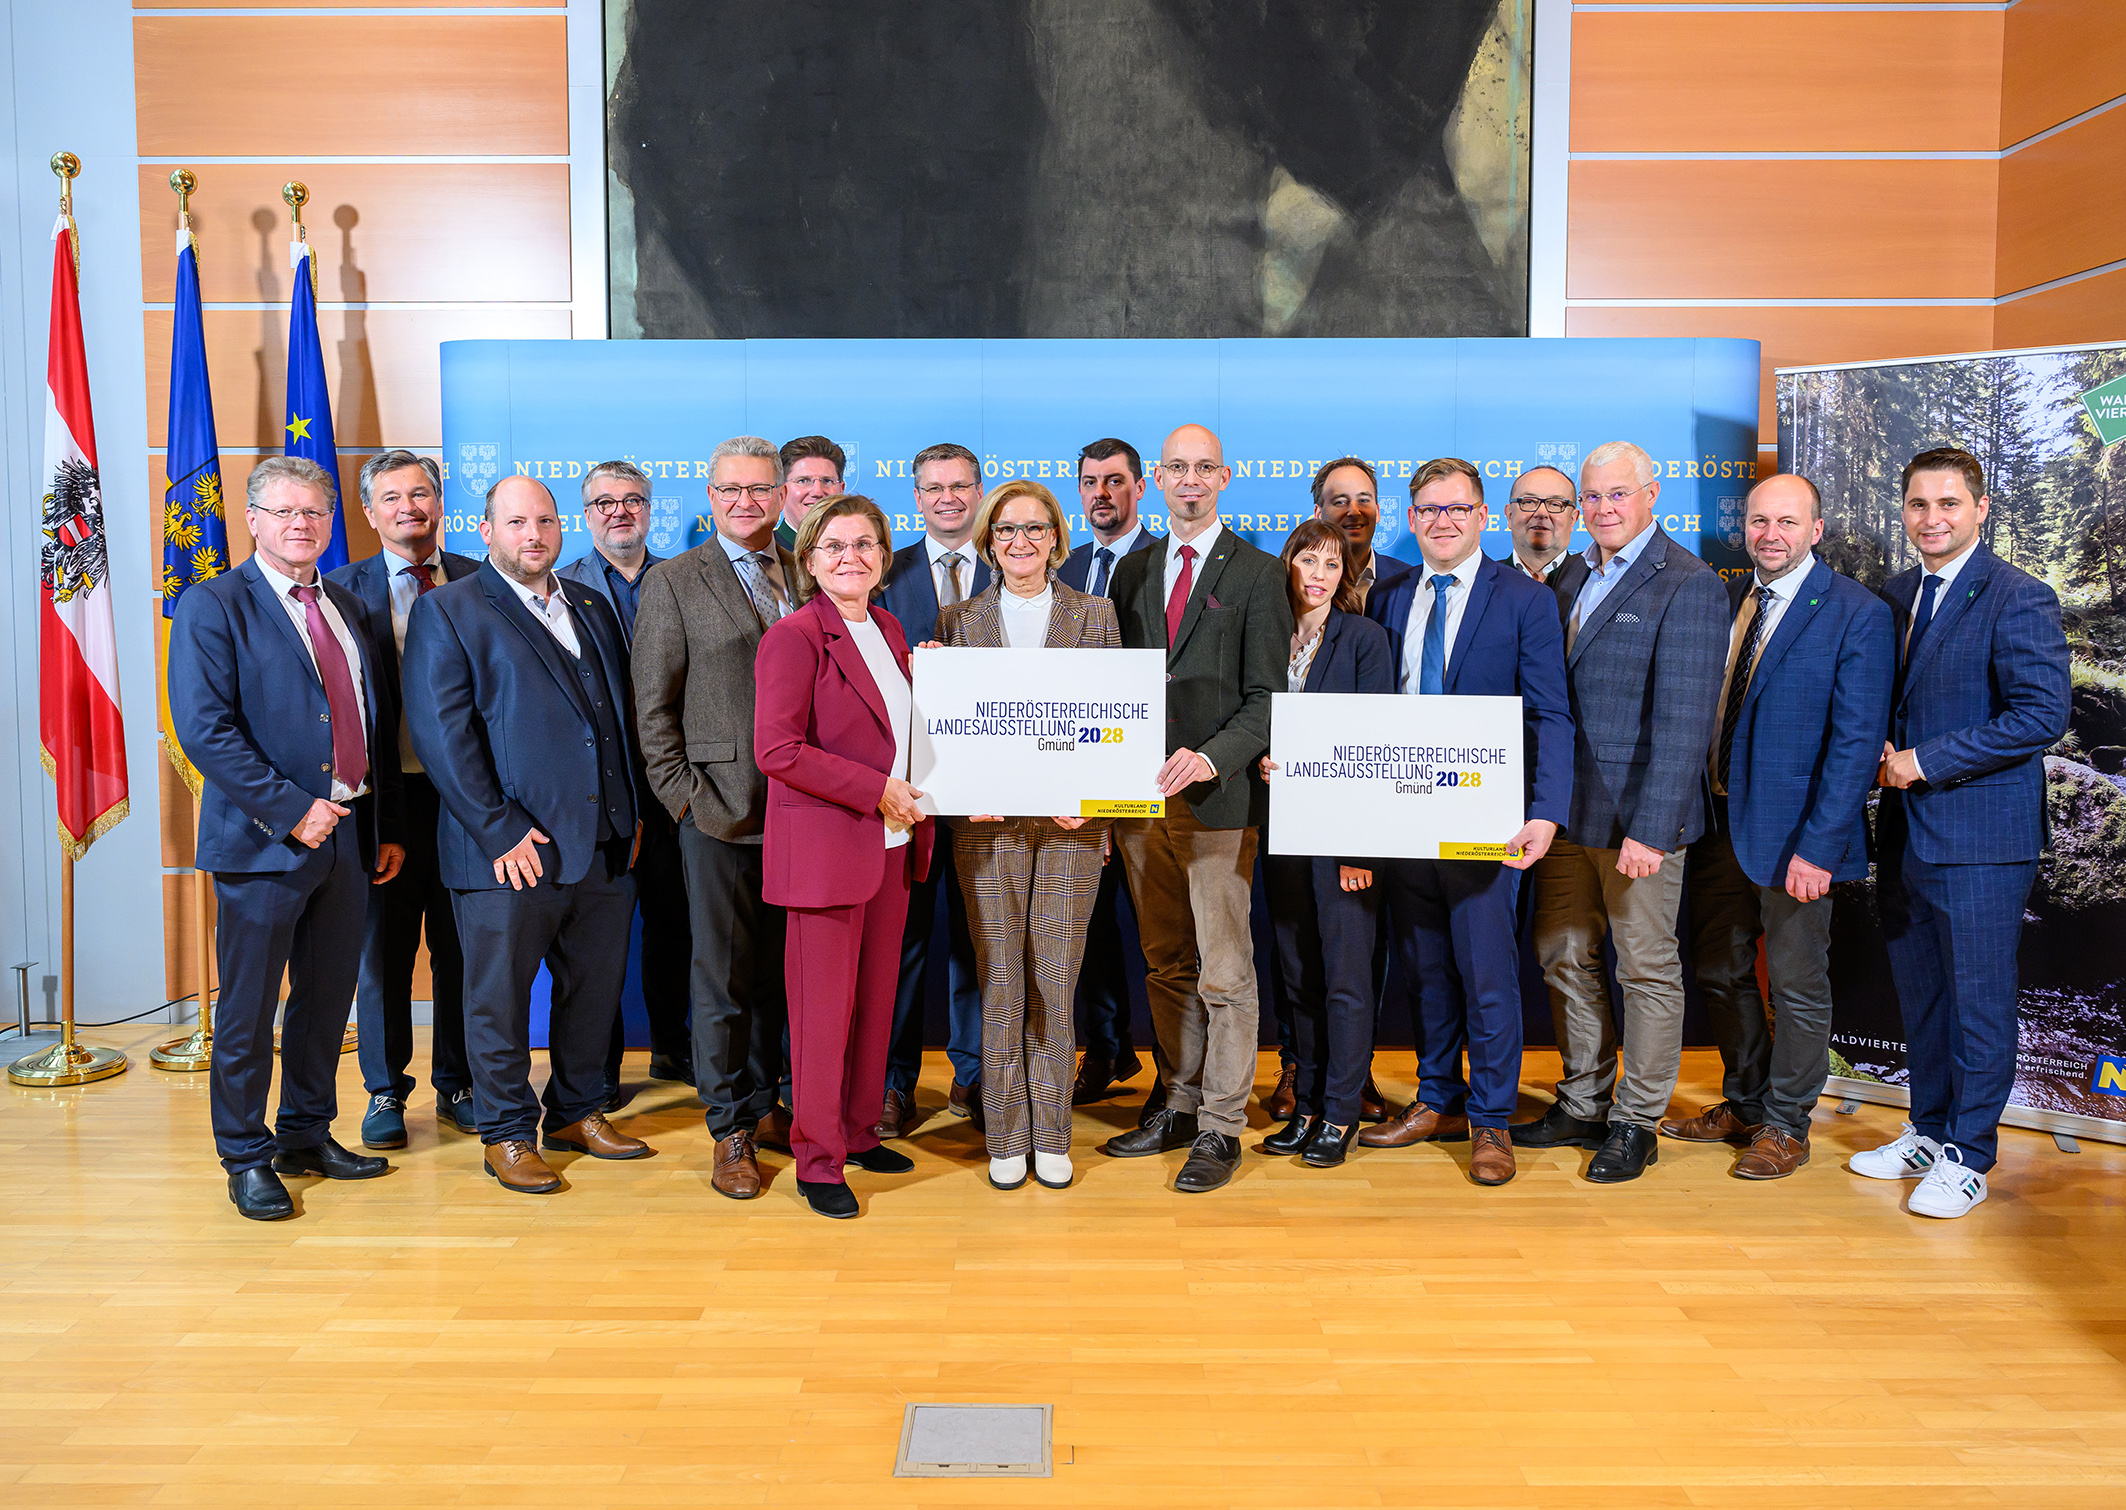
<point>626,503</point>
<point>1528,503</point>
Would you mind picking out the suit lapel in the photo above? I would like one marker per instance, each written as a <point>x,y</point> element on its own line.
<point>1636,576</point>
<point>1208,571</point>
<point>1953,603</point>
<point>1066,621</point>
<point>1472,616</point>
<point>850,660</point>
<point>719,573</point>
<point>1806,605</point>
<point>611,654</point>
<point>536,635</point>
<point>1332,630</point>
<point>982,621</point>
<point>262,590</point>
<point>371,673</point>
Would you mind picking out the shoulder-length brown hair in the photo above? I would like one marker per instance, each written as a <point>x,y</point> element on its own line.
<point>1313,534</point>
<point>823,514</point>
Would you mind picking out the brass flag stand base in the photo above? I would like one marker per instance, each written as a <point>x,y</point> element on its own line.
<point>193,1053</point>
<point>66,1062</point>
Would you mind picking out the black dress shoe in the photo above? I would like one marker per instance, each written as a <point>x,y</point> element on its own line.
<point>618,1097</point>
<point>1328,1147</point>
<point>1211,1162</point>
<point>882,1161</point>
<point>828,1198</point>
<point>329,1160</point>
<point>1162,1132</point>
<point>1558,1128</point>
<point>1624,1154</point>
<point>1291,1137</point>
<point>667,1067</point>
<point>259,1194</point>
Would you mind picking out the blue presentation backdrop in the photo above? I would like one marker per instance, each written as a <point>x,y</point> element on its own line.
<point>553,409</point>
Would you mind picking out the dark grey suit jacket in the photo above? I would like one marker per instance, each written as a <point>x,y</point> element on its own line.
<point>1644,673</point>
<point>695,637</point>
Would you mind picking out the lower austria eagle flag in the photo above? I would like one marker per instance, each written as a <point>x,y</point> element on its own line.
<point>195,534</point>
<point>308,433</point>
<point>81,729</point>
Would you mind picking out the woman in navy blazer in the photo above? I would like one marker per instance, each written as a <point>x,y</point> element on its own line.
<point>844,839</point>
<point>1324,912</point>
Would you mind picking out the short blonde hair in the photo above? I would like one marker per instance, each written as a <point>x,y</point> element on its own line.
<point>823,514</point>
<point>1003,493</point>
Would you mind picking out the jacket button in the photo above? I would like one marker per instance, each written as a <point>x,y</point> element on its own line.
<point>324,765</point>
<point>324,718</point>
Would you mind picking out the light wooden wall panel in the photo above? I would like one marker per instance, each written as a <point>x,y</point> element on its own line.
<point>2092,310</point>
<point>257,86</point>
<point>2061,207</point>
<point>1766,81</point>
<point>382,365</point>
<point>2062,57</point>
<point>1731,230</point>
<point>494,232</point>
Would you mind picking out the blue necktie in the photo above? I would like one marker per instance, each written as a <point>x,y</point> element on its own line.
<point>1106,558</point>
<point>1924,617</point>
<point>1432,669</point>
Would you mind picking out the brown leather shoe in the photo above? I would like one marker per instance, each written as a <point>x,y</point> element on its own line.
<point>598,1138</point>
<point>898,1117</point>
<point>1284,1100</point>
<point>1490,1156</point>
<point>735,1173</point>
<point>1772,1154</point>
<point>774,1129</point>
<point>1416,1123</point>
<point>516,1165</point>
<point>1372,1105</point>
<point>963,1099</point>
<point>1715,1124</point>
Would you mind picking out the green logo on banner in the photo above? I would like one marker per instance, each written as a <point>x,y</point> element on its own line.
<point>2107,410</point>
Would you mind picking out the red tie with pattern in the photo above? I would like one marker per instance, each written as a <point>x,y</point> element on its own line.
<point>1177,600</point>
<point>424,579</point>
<point>350,751</point>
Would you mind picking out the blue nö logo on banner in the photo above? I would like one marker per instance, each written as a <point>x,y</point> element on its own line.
<point>2108,1078</point>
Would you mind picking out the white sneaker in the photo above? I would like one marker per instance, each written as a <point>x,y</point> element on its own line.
<point>1907,1157</point>
<point>1949,1190</point>
<point>1052,1169</point>
<point>1008,1174</point>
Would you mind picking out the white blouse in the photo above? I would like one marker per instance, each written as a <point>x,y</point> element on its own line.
<point>1026,619</point>
<point>899,699</point>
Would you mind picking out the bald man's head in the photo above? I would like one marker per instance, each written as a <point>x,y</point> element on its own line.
<point>1192,473</point>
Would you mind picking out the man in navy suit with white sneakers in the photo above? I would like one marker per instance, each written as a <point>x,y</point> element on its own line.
<point>1982,692</point>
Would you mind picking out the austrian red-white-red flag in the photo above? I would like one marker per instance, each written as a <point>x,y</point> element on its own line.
<point>83,731</point>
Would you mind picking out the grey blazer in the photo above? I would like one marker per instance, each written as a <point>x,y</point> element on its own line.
<point>695,637</point>
<point>1644,674</point>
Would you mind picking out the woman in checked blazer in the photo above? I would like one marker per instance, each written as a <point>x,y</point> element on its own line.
<point>1029,882</point>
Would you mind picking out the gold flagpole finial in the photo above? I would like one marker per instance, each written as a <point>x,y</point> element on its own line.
<point>182,183</point>
<point>297,194</point>
<point>68,167</point>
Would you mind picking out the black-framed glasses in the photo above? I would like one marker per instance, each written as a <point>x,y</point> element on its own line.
<point>626,503</point>
<point>1530,504</point>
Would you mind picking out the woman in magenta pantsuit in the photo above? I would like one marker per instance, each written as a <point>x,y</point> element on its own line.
<point>831,725</point>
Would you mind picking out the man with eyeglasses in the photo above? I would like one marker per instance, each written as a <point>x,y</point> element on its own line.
<point>1542,511</point>
<point>278,696</point>
<point>939,569</point>
<point>703,614</point>
<point>616,511</point>
<point>1219,609</point>
<point>402,498</point>
<point>812,467</point>
<point>1347,497</point>
<point>1646,631</point>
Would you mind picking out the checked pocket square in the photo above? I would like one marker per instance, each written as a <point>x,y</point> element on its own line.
<point>1627,618</point>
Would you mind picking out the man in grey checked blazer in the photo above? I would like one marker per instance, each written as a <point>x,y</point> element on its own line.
<point>1646,631</point>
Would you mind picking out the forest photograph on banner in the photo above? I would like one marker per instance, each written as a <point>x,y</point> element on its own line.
<point>2049,426</point>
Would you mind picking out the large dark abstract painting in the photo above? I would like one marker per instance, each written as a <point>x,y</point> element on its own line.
<point>1068,167</point>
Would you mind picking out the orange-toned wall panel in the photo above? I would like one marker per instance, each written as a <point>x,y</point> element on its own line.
<point>180,914</point>
<point>2092,310</point>
<point>382,365</point>
<point>492,232</point>
<point>1801,337</point>
<point>249,86</point>
<point>2061,211</point>
<point>2062,57</point>
<point>1861,230</point>
<point>1764,81</point>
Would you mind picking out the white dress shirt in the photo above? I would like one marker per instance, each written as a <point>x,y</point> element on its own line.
<point>1784,592</point>
<point>771,568</point>
<point>1202,546</point>
<point>552,611</point>
<point>1948,575</point>
<point>1115,553</point>
<point>938,552</point>
<point>1421,615</point>
<point>284,589</point>
<point>1545,574</point>
<point>893,686</point>
<point>402,590</point>
<point>1026,619</point>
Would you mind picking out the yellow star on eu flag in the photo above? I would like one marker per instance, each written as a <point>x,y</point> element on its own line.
<point>298,428</point>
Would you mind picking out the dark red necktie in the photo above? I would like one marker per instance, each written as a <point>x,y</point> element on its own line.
<point>1177,600</point>
<point>424,579</point>
<point>350,751</point>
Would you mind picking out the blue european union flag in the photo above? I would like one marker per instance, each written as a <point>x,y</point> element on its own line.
<point>308,433</point>
<point>195,533</point>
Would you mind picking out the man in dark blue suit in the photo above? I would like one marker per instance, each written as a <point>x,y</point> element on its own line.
<point>1981,694</point>
<point>1466,626</point>
<point>518,699</point>
<point>939,569</point>
<point>402,497</point>
<point>1110,487</point>
<point>279,699</point>
<point>1806,702</point>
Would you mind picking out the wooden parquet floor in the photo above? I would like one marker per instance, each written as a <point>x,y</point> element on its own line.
<point>1383,1334</point>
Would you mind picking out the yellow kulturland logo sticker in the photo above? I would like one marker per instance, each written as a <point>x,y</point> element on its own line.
<point>1472,851</point>
<point>1123,810</point>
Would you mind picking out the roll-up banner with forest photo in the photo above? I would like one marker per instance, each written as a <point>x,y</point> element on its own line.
<point>2049,424</point>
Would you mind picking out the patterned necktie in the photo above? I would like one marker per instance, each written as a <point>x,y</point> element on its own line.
<point>1177,600</point>
<point>754,573</point>
<point>1432,666</point>
<point>1925,616</point>
<point>350,750</point>
<point>1738,683</point>
<point>953,590</point>
<point>1106,558</point>
<point>424,578</point>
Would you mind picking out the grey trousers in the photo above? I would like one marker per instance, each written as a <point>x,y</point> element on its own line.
<point>1191,886</point>
<point>1773,1078</point>
<point>1579,896</point>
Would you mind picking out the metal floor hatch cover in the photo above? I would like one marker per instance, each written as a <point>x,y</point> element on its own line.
<point>976,1441</point>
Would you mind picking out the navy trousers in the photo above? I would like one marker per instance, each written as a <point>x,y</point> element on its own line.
<point>383,1002</point>
<point>308,923</point>
<point>667,944</point>
<point>1103,988</point>
<point>963,988</point>
<point>1952,932</point>
<point>1325,956</point>
<point>1453,924</point>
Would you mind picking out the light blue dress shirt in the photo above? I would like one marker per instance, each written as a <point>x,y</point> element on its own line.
<point>1600,579</point>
